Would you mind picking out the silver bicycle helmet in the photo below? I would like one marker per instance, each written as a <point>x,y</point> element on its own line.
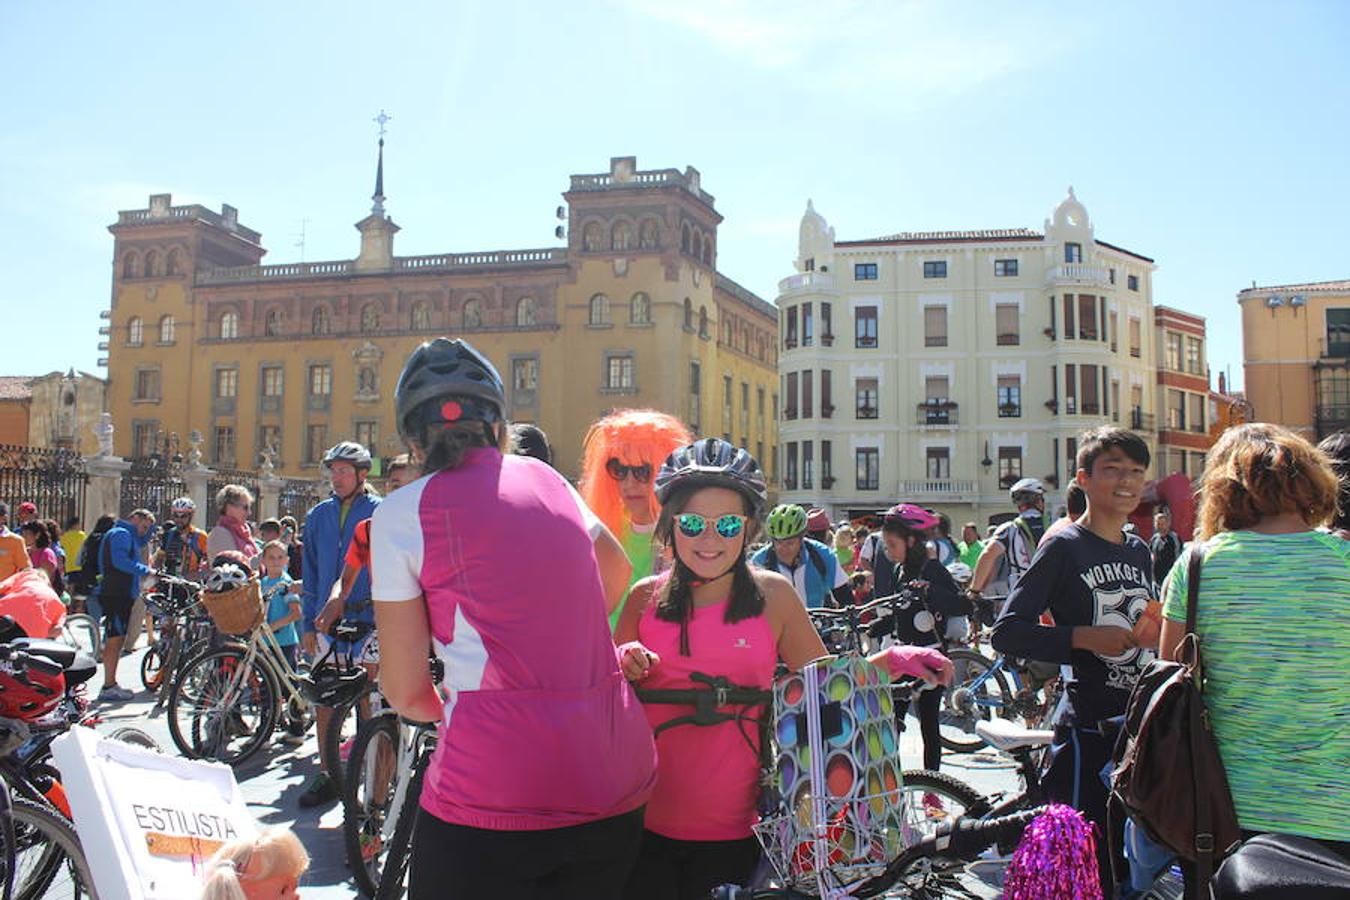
<point>225,578</point>
<point>183,505</point>
<point>1027,490</point>
<point>347,451</point>
<point>712,462</point>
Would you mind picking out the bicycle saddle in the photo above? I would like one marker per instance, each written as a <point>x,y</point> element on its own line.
<point>78,667</point>
<point>1004,735</point>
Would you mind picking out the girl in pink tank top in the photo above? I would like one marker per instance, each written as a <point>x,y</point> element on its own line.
<point>715,615</point>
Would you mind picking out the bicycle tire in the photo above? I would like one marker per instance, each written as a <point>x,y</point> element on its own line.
<point>394,875</point>
<point>361,824</point>
<point>77,623</point>
<point>154,666</point>
<point>59,868</point>
<point>129,734</point>
<point>954,797</point>
<point>960,712</point>
<point>201,701</point>
<point>344,726</point>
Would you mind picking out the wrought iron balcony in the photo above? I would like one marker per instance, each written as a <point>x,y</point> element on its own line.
<point>937,412</point>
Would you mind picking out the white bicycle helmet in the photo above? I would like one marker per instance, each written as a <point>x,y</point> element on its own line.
<point>960,573</point>
<point>1027,490</point>
<point>347,451</point>
<point>226,577</point>
<point>183,505</point>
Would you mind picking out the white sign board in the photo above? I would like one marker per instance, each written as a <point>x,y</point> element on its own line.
<point>147,822</point>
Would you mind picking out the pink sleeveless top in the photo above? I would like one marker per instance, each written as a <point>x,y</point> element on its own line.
<point>707,776</point>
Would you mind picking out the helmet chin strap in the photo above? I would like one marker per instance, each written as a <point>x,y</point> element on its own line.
<point>694,581</point>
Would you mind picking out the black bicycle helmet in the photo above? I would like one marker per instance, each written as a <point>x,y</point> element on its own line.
<point>464,383</point>
<point>331,684</point>
<point>712,462</point>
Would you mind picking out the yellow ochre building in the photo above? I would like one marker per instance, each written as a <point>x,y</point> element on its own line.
<point>632,312</point>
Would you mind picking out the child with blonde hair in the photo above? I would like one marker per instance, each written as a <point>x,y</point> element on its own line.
<point>265,867</point>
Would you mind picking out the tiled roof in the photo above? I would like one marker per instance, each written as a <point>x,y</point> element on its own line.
<point>16,387</point>
<point>1330,287</point>
<point>942,237</point>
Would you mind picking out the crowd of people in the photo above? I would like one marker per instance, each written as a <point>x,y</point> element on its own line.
<point>548,603</point>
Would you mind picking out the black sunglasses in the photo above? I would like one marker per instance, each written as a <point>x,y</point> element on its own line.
<point>618,471</point>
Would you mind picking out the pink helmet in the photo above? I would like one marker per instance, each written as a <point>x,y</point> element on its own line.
<point>912,516</point>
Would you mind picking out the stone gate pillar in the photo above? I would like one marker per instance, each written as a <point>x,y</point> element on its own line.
<point>103,496</point>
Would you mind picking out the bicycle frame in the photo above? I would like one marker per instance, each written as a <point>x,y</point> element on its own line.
<point>415,743</point>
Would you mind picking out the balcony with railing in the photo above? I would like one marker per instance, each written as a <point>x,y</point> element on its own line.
<point>805,283</point>
<point>1142,421</point>
<point>1078,273</point>
<point>939,413</point>
<point>937,488</point>
<point>439,262</point>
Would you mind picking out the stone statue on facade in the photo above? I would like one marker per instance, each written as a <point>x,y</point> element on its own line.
<point>104,431</point>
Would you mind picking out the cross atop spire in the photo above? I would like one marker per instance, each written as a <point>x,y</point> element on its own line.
<point>378,208</point>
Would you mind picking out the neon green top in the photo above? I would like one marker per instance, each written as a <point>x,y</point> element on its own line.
<point>638,545</point>
<point>1274,626</point>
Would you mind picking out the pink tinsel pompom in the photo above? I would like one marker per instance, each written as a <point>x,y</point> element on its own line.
<point>1056,859</point>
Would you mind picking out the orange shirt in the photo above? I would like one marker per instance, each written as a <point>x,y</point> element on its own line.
<point>13,555</point>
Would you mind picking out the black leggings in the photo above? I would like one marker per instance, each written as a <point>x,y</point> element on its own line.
<point>926,705</point>
<point>581,862</point>
<point>668,869</point>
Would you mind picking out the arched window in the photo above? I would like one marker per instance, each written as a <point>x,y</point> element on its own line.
<point>592,237</point>
<point>421,316</point>
<point>273,324</point>
<point>649,236</point>
<point>473,313</point>
<point>703,321</point>
<point>688,315</point>
<point>599,310</point>
<point>684,237</point>
<point>524,312</point>
<point>131,265</point>
<point>370,317</point>
<point>640,309</point>
<point>135,331</point>
<point>320,322</point>
<point>621,236</point>
<point>229,325</point>
<point>707,252</point>
<point>697,246</point>
<point>151,263</point>
<point>166,329</point>
<point>172,263</point>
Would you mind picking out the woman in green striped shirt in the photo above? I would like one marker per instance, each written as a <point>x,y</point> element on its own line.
<point>1274,627</point>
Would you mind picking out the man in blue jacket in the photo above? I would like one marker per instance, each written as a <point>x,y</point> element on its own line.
<point>328,532</point>
<point>121,569</point>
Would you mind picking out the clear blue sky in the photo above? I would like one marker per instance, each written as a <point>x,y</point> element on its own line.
<point>1213,137</point>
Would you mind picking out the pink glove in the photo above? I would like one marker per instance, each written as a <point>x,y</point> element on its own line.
<point>922,662</point>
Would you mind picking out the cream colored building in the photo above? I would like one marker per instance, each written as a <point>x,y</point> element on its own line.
<point>1296,352</point>
<point>940,367</point>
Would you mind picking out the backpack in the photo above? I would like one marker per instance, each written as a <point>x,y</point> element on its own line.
<point>1168,773</point>
<point>817,562</point>
<point>90,561</point>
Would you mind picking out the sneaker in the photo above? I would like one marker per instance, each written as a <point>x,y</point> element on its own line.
<point>321,790</point>
<point>114,693</point>
<point>292,740</point>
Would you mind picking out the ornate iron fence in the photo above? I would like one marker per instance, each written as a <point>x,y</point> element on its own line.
<point>298,496</point>
<point>55,480</point>
<point>152,482</point>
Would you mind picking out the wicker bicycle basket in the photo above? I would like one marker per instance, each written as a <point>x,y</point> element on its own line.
<point>238,610</point>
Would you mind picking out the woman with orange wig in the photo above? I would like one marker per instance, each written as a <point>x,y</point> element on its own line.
<point>622,453</point>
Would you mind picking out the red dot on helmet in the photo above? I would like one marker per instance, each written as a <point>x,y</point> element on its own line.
<point>451,411</point>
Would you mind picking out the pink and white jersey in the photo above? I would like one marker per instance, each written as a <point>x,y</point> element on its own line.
<point>541,730</point>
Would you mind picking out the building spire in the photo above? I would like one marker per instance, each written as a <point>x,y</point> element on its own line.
<point>378,208</point>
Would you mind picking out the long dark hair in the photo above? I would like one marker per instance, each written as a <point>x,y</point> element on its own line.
<point>675,601</point>
<point>916,555</point>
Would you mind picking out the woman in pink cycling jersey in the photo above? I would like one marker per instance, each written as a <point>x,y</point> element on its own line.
<point>545,758</point>
<point>713,614</point>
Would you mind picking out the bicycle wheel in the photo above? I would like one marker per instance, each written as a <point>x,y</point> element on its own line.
<point>155,665</point>
<point>81,631</point>
<point>129,734</point>
<point>341,732</point>
<point>932,799</point>
<point>49,862</point>
<point>368,788</point>
<point>394,876</point>
<point>975,694</point>
<point>223,708</point>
